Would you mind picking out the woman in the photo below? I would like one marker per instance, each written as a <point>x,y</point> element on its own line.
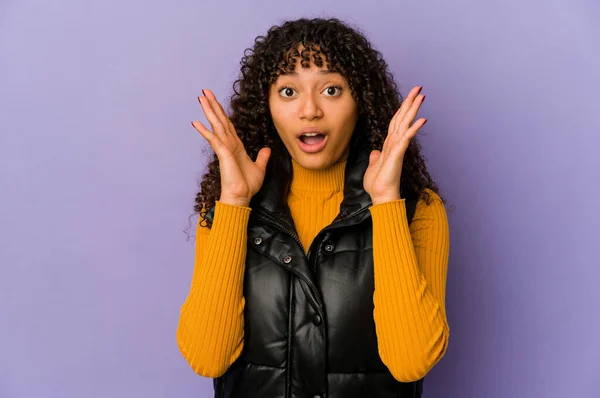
<point>320,265</point>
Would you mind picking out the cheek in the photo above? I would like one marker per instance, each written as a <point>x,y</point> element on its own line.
<point>346,115</point>
<point>275,112</point>
<point>282,115</point>
<point>281,121</point>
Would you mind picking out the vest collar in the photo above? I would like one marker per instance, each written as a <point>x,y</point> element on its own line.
<point>272,196</point>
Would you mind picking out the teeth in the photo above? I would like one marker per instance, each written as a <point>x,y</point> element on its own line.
<point>310,134</point>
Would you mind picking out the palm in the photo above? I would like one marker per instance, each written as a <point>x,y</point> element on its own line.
<point>382,177</point>
<point>242,169</point>
<point>241,177</point>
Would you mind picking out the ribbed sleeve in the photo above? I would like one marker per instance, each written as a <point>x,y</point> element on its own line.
<point>410,266</point>
<point>211,323</point>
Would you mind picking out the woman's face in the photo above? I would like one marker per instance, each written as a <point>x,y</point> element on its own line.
<point>314,98</point>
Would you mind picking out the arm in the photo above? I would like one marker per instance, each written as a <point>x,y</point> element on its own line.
<point>211,323</point>
<point>410,265</point>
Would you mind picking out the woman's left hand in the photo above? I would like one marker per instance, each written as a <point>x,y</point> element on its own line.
<point>382,177</point>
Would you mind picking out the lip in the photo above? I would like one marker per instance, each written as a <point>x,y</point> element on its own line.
<point>306,130</point>
<point>312,148</point>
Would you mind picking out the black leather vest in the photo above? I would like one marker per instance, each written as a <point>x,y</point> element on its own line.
<point>309,327</point>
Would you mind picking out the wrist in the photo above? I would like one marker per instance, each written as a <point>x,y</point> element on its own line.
<point>234,201</point>
<point>380,200</point>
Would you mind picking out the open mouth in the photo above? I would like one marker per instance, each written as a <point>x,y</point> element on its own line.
<point>312,139</point>
<point>311,143</point>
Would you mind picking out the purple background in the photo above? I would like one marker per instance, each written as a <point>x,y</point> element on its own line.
<point>99,167</point>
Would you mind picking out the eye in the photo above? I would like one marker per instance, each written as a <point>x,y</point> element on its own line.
<point>287,90</point>
<point>333,88</point>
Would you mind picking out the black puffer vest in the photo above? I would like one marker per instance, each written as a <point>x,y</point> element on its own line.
<point>309,327</point>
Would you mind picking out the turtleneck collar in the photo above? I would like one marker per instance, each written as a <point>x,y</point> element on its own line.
<point>330,179</point>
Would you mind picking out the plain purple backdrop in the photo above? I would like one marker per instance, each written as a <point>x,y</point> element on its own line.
<point>99,168</point>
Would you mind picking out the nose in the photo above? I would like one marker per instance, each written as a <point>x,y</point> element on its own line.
<point>310,107</point>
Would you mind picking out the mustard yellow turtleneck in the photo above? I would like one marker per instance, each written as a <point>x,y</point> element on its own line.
<point>410,268</point>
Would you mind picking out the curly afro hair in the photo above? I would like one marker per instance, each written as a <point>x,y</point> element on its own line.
<point>345,51</point>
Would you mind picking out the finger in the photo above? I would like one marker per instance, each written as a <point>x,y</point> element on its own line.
<point>229,127</point>
<point>211,116</point>
<point>387,149</point>
<point>412,131</point>
<point>374,161</point>
<point>217,108</point>
<point>390,139</point>
<point>206,133</point>
<point>406,104</point>
<point>262,158</point>
<point>408,101</point>
<point>394,121</point>
<point>412,112</point>
<point>373,158</point>
<point>212,139</point>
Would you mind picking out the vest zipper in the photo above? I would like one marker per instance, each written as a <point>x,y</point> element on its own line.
<point>273,222</point>
<point>329,227</point>
<point>266,217</point>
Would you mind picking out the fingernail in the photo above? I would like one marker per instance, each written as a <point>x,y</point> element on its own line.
<point>203,93</point>
<point>423,98</point>
<point>425,122</point>
<point>420,88</point>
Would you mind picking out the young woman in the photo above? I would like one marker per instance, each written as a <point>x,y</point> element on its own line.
<point>322,244</point>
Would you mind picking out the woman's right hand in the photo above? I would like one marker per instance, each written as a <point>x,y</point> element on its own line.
<point>241,177</point>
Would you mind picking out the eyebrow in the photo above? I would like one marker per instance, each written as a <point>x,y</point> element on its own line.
<point>321,72</point>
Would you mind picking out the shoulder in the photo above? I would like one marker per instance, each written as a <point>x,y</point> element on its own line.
<point>429,197</point>
<point>430,206</point>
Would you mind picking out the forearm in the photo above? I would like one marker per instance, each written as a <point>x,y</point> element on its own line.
<point>211,324</point>
<point>410,321</point>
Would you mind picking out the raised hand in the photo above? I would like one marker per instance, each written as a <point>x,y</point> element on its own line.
<point>241,177</point>
<point>382,177</point>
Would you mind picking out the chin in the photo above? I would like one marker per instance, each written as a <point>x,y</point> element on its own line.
<point>315,162</point>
